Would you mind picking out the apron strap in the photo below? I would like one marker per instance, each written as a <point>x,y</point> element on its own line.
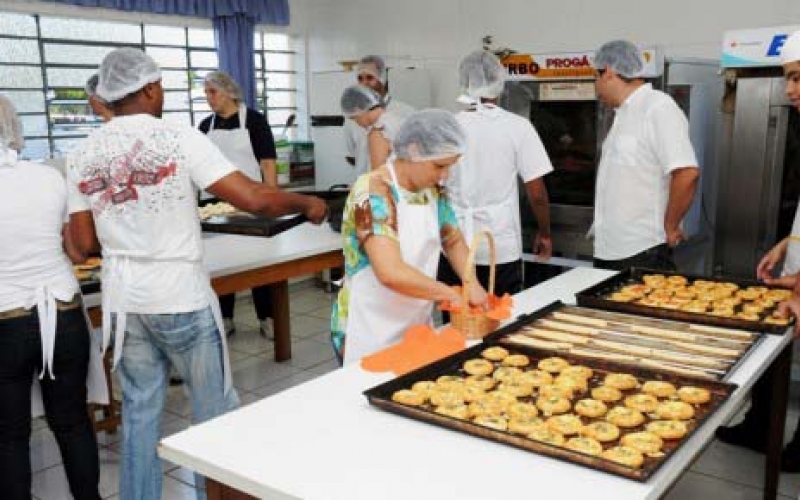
<point>47,312</point>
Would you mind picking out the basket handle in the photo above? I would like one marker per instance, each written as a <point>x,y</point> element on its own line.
<point>469,268</point>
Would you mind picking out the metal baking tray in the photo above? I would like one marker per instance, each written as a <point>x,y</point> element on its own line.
<point>679,347</point>
<point>381,396</point>
<point>594,296</point>
<point>251,225</point>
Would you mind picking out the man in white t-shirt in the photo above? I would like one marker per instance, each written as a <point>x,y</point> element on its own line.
<point>484,192</point>
<point>132,186</point>
<point>648,171</point>
<point>372,74</point>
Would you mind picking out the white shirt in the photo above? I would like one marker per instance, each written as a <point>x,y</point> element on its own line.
<point>31,252</point>
<point>356,136</point>
<point>139,175</point>
<point>501,146</point>
<point>648,140</point>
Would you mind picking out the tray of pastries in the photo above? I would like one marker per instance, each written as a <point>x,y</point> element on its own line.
<point>222,217</point>
<point>742,304</point>
<point>600,414</point>
<point>88,274</point>
<point>678,347</point>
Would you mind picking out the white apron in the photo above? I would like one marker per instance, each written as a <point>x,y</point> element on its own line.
<point>791,263</point>
<point>96,386</point>
<point>235,145</point>
<point>116,277</point>
<point>378,316</point>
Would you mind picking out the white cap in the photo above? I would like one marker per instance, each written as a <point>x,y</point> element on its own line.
<point>125,71</point>
<point>791,49</point>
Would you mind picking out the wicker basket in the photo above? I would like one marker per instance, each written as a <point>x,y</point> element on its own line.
<point>472,325</point>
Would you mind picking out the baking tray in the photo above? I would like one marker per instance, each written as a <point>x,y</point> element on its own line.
<point>680,347</point>
<point>380,396</point>
<point>251,225</point>
<point>594,297</point>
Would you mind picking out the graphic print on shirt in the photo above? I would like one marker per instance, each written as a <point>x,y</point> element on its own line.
<point>132,170</point>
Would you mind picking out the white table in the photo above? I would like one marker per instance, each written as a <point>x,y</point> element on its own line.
<point>322,440</point>
<point>239,263</point>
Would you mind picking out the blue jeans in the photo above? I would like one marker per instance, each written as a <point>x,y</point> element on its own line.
<point>191,343</point>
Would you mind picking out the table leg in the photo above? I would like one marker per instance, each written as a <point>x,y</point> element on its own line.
<point>280,321</point>
<point>779,383</point>
<point>218,491</point>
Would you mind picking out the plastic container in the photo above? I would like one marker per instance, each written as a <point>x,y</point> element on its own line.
<point>283,150</point>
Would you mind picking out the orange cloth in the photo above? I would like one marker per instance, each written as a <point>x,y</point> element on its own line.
<point>421,345</point>
<point>499,307</point>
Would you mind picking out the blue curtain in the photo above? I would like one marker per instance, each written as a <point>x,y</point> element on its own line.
<point>274,12</point>
<point>234,36</point>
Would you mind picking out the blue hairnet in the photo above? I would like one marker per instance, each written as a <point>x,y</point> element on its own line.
<point>357,99</point>
<point>622,56</point>
<point>430,134</point>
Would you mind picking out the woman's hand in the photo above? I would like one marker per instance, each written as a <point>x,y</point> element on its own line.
<point>770,260</point>
<point>477,296</point>
<point>788,281</point>
<point>791,306</point>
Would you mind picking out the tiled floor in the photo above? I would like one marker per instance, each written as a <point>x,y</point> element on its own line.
<point>721,472</point>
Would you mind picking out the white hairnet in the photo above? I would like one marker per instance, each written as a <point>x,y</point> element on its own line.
<point>430,134</point>
<point>224,82</point>
<point>365,65</point>
<point>358,99</point>
<point>481,75</point>
<point>11,136</point>
<point>125,71</point>
<point>622,56</point>
<point>791,49</point>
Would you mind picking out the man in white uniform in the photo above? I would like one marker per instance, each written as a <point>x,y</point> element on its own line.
<point>372,74</point>
<point>501,147</point>
<point>752,431</point>
<point>648,171</point>
<point>132,186</point>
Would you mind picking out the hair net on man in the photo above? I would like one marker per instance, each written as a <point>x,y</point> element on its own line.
<point>622,56</point>
<point>791,49</point>
<point>11,140</point>
<point>358,99</point>
<point>373,65</point>
<point>224,82</point>
<point>125,71</point>
<point>430,134</point>
<point>481,75</point>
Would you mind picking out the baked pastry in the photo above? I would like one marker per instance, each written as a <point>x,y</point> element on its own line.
<point>654,280</point>
<point>636,289</point>
<point>486,407</point>
<point>506,373</point>
<point>776,320</point>
<point>516,388</point>
<point>575,384</point>
<point>677,280</point>
<point>522,410</point>
<point>425,387</point>
<point>566,425</point>
<point>748,294</point>
<point>624,417</point>
<point>494,353</point>
<point>585,445</point>
<point>591,408</point>
<point>747,316</point>
<point>658,388</point>
<point>484,382</point>
<point>579,371</point>
<point>621,381</point>
<point>646,442</point>
<point>503,398</point>
<point>607,394</point>
<point>536,378</point>
<point>601,431</point>
<point>496,422</point>
<point>667,429</point>
<point>642,402</point>
<point>478,367</point>
<point>459,411</point>
<point>553,405</point>
<point>675,410</point>
<point>752,308</point>
<point>408,397</point>
<point>621,297</point>
<point>450,382</point>
<point>778,295</point>
<point>446,398</point>
<point>694,395</point>
<point>562,391</point>
<point>524,425</point>
<point>553,365</point>
<point>472,393</point>
<point>547,435</point>
<point>518,360</point>
<point>624,455</point>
